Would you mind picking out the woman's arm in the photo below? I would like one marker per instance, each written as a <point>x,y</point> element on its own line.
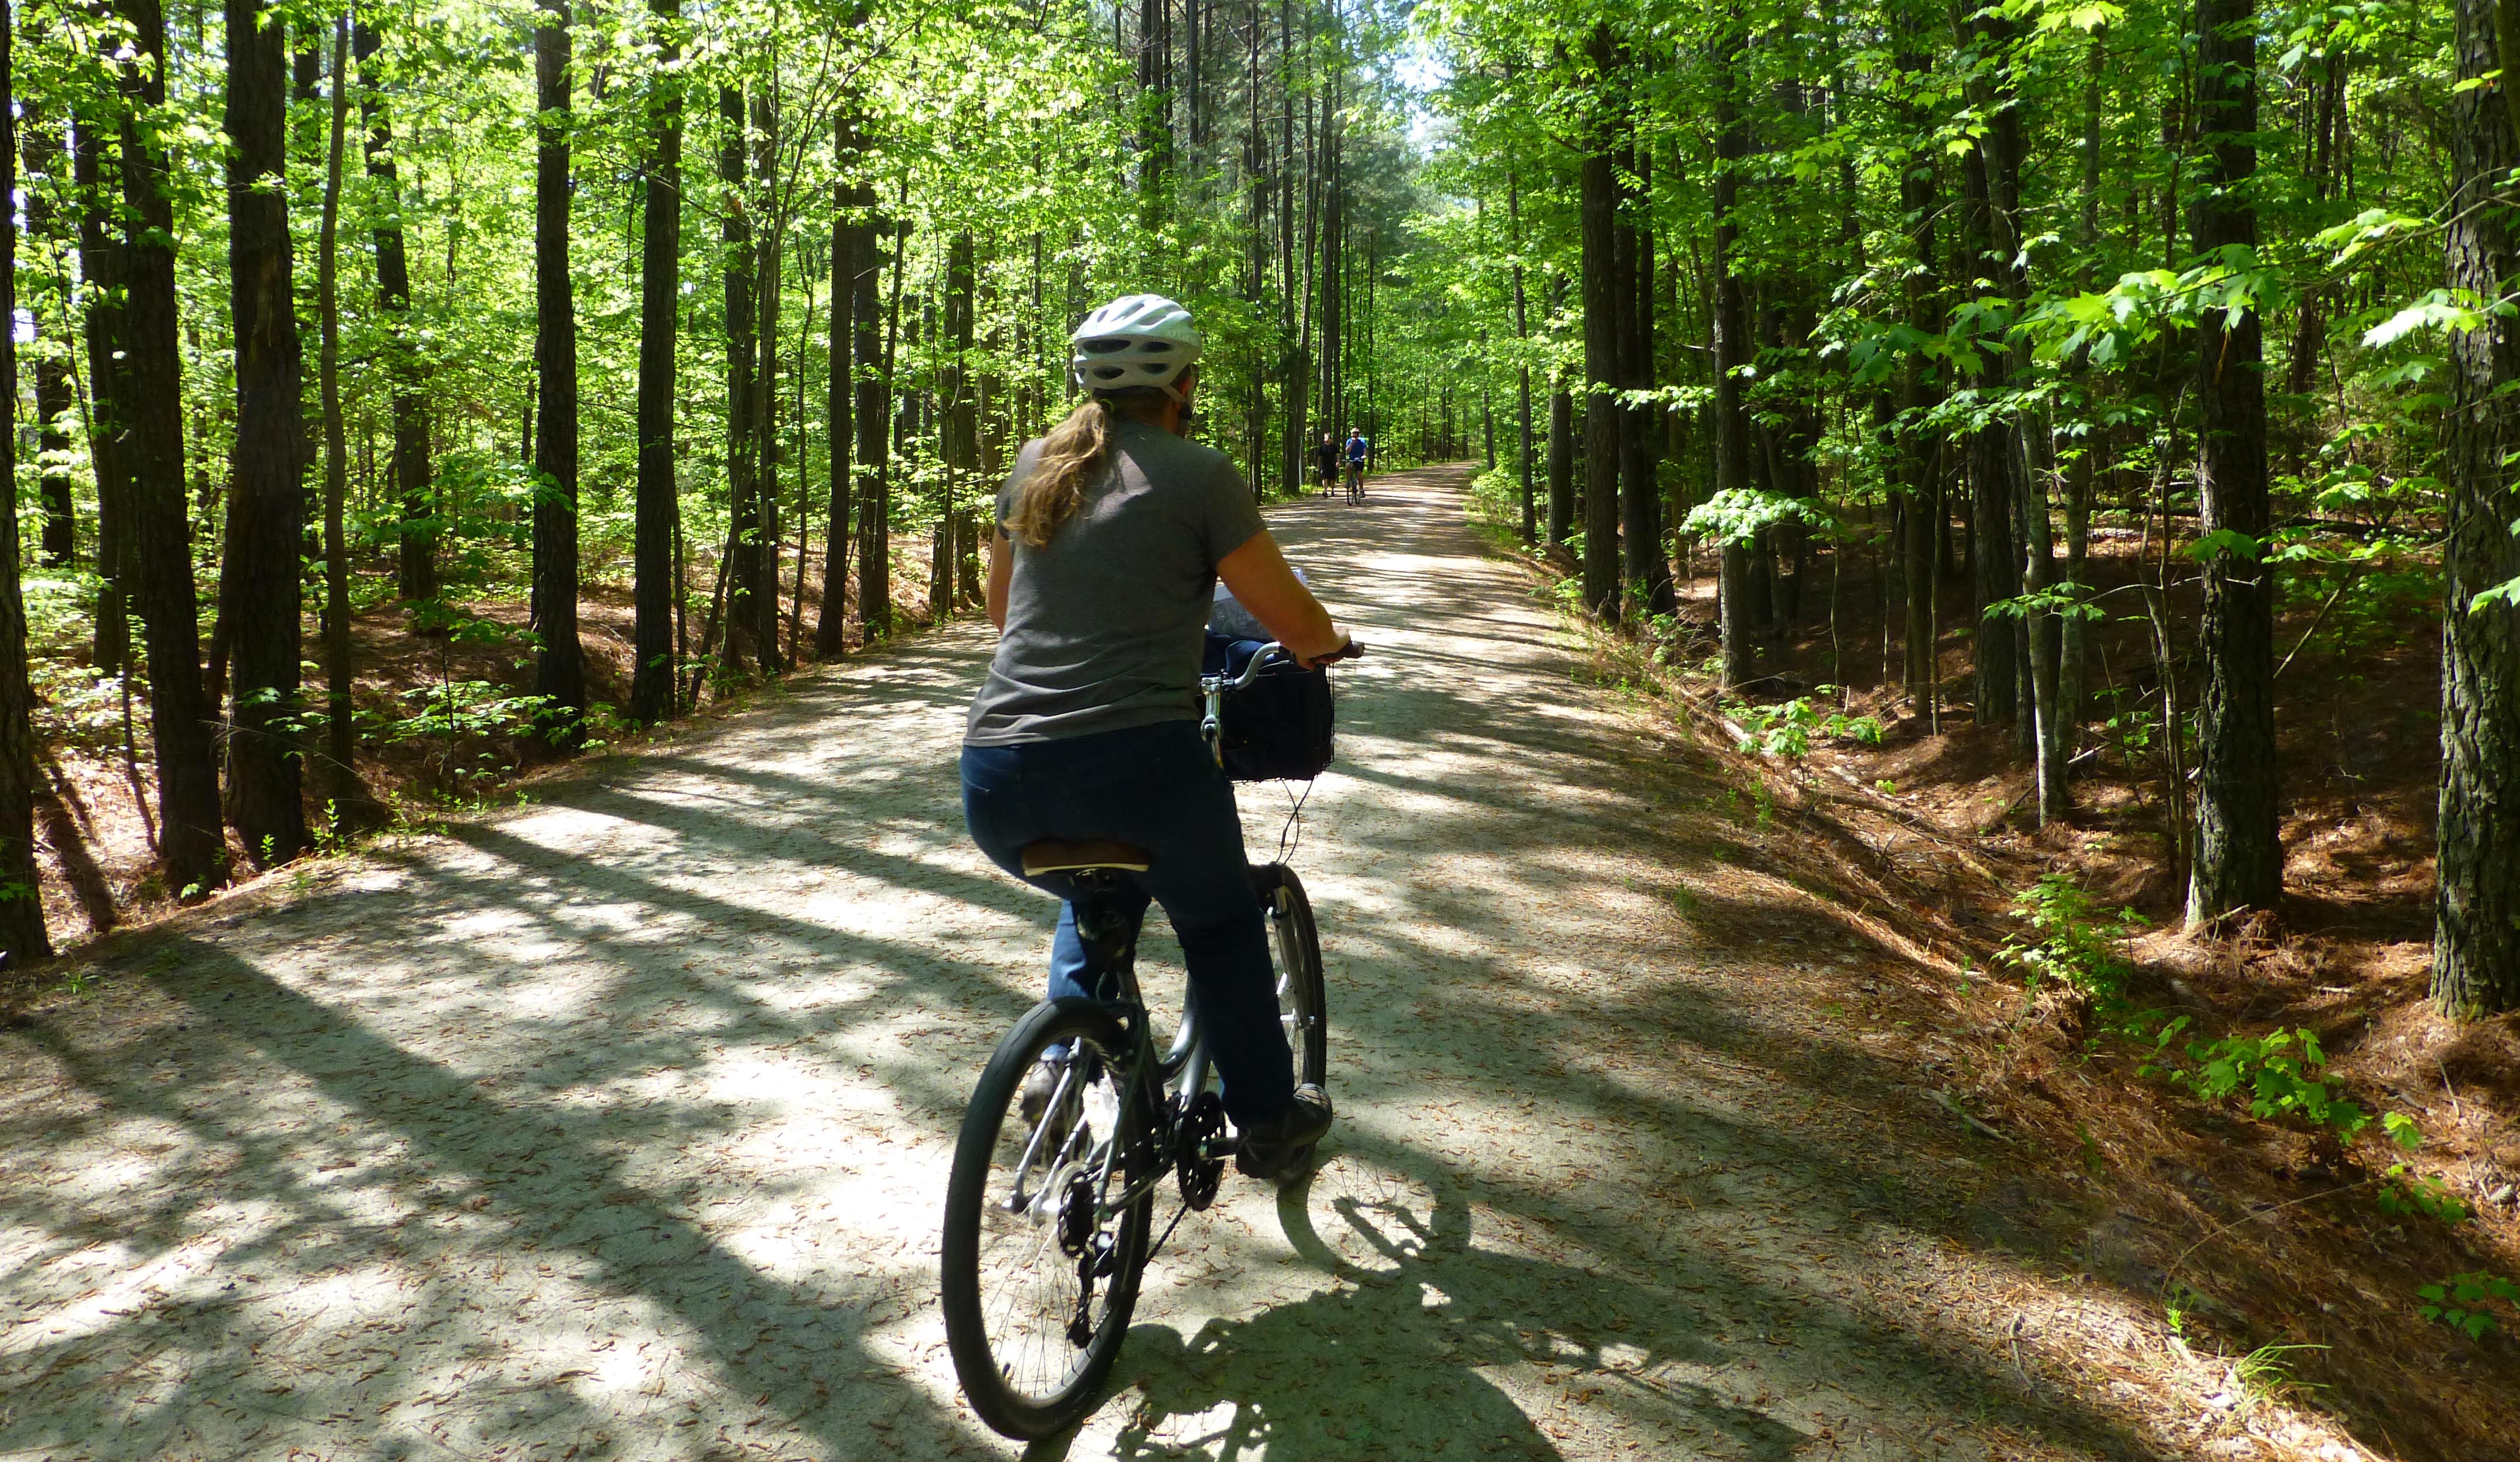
<point>1258,575</point>
<point>1002,573</point>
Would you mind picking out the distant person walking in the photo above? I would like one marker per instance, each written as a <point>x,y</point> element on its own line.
<point>1358,450</point>
<point>1326,462</point>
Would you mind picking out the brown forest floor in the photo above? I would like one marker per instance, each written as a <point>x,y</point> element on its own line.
<point>1678,1117</point>
<point>2279,1236</point>
<point>95,815</point>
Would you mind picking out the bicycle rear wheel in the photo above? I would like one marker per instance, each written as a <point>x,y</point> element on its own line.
<point>1295,950</point>
<point>1040,1266</point>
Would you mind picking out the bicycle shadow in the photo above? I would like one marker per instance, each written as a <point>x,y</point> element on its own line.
<point>1410,1350</point>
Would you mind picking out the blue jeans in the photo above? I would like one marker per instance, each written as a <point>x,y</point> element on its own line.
<point>1159,787</point>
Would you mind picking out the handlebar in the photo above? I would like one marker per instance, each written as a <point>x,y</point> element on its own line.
<point>1275,654</point>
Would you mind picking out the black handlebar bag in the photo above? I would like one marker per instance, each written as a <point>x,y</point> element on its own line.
<point>1279,726</point>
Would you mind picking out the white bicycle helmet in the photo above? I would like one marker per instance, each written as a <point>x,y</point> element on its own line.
<point>1136,339</point>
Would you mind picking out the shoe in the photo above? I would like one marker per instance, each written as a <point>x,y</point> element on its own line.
<point>1038,1088</point>
<point>1281,1149</point>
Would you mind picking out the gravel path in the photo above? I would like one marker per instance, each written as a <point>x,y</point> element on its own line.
<point>616,1124</point>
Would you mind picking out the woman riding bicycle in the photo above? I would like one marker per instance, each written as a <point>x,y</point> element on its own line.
<point>1113,531</point>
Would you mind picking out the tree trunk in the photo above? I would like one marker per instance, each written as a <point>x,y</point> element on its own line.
<point>410,470</point>
<point>266,495</point>
<point>23,938</point>
<point>962,422</point>
<point>851,247</point>
<point>560,669</point>
<point>654,591</point>
<point>1648,556</point>
<point>54,395</point>
<point>2072,668</point>
<point>1599,199</point>
<point>1522,368</point>
<point>191,839</point>
<point>338,781</point>
<point>748,580</point>
<point>768,276</point>
<point>1994,569</point>
<point>2239,858</point>
<point>874,433</point>
<point>1742,605</point>
<point>2476,934</point>
<point>1561,463</point>
<point>1921,511</point>
<point>101,271</point>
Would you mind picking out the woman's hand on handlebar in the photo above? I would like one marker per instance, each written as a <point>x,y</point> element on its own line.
<point>1348,649</point>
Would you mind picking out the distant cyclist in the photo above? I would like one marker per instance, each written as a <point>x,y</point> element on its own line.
<point>1326,462</point>
<point>1357,450</point>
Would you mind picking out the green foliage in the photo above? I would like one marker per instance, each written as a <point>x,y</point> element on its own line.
<point>2070,938</point>
<point>2460,1301</point>
<point>468,707</point>
<point>2409,1193</point>
<point>2274,1072</point>
<point>1787,729</point>
<point>1737,516</point>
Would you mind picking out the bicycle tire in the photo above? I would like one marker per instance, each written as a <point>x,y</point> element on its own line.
<point>1302,991</point>
<point>989,1383</point>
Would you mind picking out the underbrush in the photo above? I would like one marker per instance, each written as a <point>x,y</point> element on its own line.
<point>2226,1098</point>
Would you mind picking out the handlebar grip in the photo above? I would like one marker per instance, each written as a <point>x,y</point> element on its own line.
<point>1349,651</point>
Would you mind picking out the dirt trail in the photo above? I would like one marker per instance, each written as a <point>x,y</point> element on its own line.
<point>615,1125</point>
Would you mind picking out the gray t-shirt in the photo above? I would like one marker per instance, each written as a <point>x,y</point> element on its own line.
<point>1105,627</point>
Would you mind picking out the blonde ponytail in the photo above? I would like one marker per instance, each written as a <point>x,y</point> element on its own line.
<point>1072,456</point>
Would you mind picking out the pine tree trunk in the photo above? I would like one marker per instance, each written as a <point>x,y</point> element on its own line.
<point>1598,201</point>
<point>338,781</point>
<point>2240,859</point>
<point>1637,507</point>
<point>1648,556</point>
<point>1743,603</point>
<point>874,432</point>
<point>1561,463</point>
<point>768,276</point>
<point>54,395</point>
<point>191,842</point>
<point>23,940</point>
<point>851,247</point>
<point>1522,370</point>
<point>962,424</point>
<point>2476,934</point>
<point>2073,672</point>
<point>655,592</point>
<point>416,577</point>
<point>267,497</point>
<point>1921,511</point>
<point>101,268</point>
<point>747,579</point>
<point>1994,569</point>
<point>560,671</point>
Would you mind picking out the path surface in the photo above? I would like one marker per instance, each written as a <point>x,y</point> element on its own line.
<point>615,1125</point>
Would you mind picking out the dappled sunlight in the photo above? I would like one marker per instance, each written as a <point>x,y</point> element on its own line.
<point>619,1123</point>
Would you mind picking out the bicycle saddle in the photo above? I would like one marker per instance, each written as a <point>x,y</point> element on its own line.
<point>1060,856</point>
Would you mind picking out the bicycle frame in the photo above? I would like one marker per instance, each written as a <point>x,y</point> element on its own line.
<point>1183,1068</point>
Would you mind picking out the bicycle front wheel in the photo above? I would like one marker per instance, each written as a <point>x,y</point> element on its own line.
<point>1041,1255</point>
<point>1295,949</point>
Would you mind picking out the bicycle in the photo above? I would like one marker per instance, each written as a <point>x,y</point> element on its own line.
<point>1355,482</point>
<point>1047,1216</point>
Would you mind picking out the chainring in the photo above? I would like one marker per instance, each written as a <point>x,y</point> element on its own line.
<point>1196,1137</point>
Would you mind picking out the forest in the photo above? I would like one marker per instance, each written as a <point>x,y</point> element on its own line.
<point>582,367</point>
<point>2082,434</point>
